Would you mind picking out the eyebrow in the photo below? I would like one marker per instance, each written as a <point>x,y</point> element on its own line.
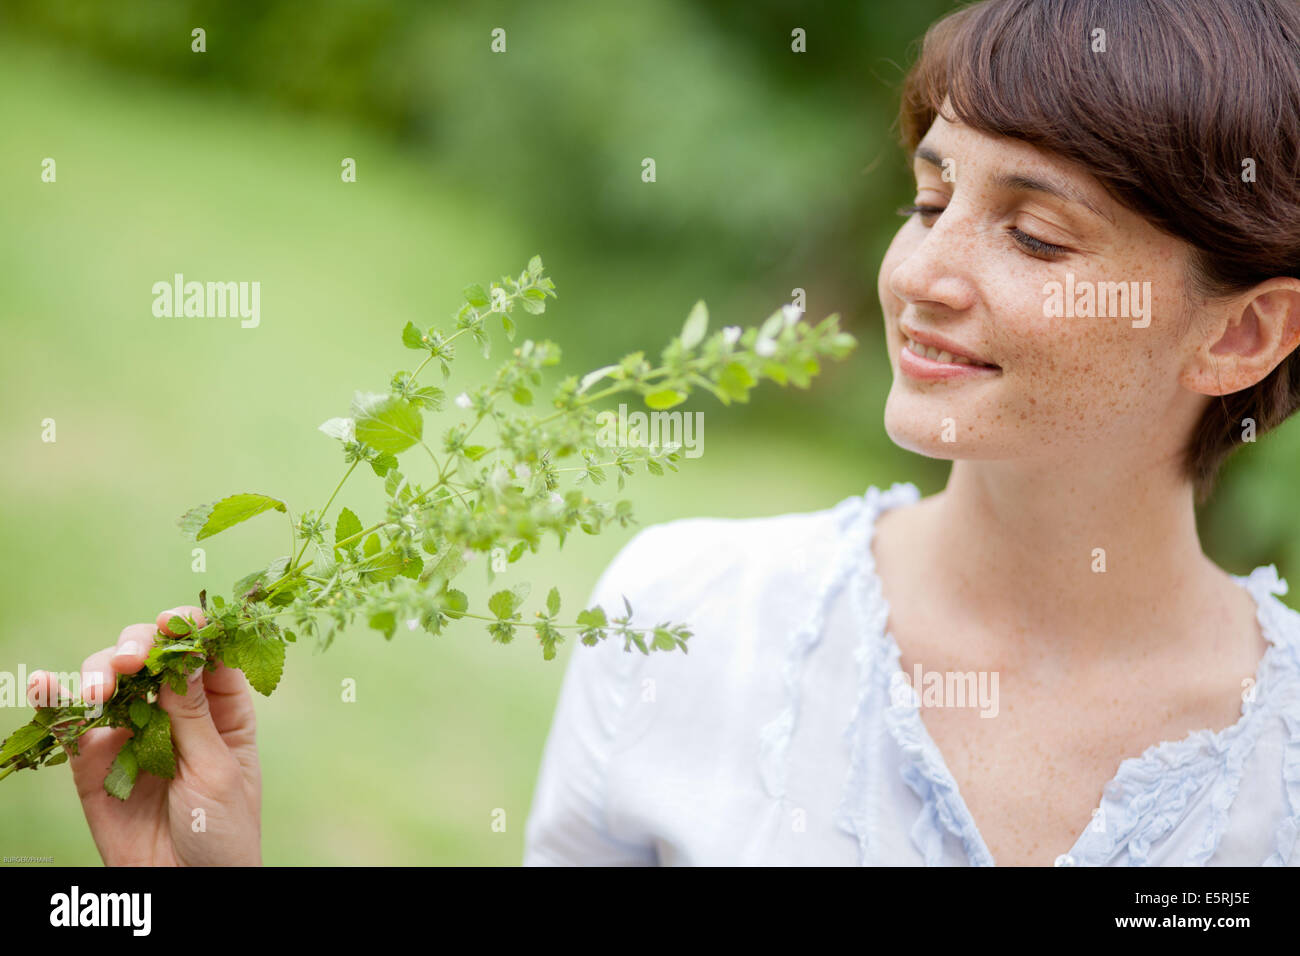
<point>1021,183</point>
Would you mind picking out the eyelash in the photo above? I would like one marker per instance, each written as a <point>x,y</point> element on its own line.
<point>1027,242</point>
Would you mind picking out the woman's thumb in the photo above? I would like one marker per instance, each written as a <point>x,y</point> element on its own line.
<point>192,728</point>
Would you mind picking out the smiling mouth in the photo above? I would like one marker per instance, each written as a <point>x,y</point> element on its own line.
<point>941,355</point>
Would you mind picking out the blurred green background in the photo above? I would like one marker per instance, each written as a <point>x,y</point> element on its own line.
<point>775,171</point>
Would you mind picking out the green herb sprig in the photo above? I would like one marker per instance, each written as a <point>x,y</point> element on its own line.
<point>476,494</point>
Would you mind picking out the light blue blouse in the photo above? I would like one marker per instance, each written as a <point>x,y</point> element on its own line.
<point>777,739</point>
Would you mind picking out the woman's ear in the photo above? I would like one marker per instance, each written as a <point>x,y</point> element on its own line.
<point>1248,336</point>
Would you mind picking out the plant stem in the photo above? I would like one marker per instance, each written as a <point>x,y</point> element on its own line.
<point>321,514</point>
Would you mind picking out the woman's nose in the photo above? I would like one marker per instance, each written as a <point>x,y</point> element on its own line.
<point>938,268</point>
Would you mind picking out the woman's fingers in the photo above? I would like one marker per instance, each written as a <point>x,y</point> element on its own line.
<point>98,679</point>
<point>99,671</point>
<point>45,690</point>
<point>133,646</point>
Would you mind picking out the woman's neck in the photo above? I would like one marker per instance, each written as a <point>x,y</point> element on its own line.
<point>1078,554</point>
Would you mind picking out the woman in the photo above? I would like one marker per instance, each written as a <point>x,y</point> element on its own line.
<point>1094,299</point>
<point>1125,701</point>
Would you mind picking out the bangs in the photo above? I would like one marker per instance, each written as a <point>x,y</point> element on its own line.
<point>1160,100</point>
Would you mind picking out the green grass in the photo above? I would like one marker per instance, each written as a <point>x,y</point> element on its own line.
<point>156,415</point>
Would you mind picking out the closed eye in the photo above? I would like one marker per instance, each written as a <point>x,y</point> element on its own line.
<point>925,212</point>
<point>1031,244</point>
<point>1046,250</point>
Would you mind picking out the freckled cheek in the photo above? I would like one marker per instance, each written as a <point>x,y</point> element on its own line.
<point>1080,375</point>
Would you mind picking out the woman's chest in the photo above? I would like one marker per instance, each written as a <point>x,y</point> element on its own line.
<point>1032,753</point>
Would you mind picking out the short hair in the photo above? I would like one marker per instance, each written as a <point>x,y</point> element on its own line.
<point>1185,92</point>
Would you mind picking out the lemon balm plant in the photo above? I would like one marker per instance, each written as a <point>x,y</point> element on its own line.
<point>496,482</point>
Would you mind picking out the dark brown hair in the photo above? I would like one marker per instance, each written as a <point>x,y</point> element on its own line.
<point>1184,92</point>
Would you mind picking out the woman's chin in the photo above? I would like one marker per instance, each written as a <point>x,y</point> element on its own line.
<point>936,433</point>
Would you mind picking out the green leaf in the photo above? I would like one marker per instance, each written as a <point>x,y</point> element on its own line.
<point>178,626</point>
<point>736,381</point>
<point>592,617</point>
<point>383,464</point>
<point>535,266</point>
<point>387,423</point>
<point>248,582</point>
<point>476,295</point>
<point>22,739</point>
<point>697,323</point>
<point>207,520</point>
<point>372,545</point>
<point>412,337</point>
<point>380,565</point>
<point>153,745</point>
<point>348,525</point>
<point>665,398</point>
<point>533,306</point>
<point>474,452</point>
<point>411,567</point>
<point>522,396</point>
<point>385,622</point>
<point>140,712</point>
<point>261,659</point>
<point>553,601</point>
<point>664,641</point>
<point>450,562</point>
<point>121,775</point>
<point>502,604</point>
<point>430,397</point>
<point>455,602</point>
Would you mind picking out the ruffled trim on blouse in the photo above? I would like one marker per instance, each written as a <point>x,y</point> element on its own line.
<point>1151,794</point>
<point>774,739</point>
<point>942,808</point>
<point>1284,622</point>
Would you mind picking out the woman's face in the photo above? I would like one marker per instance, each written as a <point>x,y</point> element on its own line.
<point>1015,263</point>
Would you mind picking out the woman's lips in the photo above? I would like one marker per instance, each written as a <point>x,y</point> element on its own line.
<point>931,364</point>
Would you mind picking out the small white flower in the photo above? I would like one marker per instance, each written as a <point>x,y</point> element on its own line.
<point>765,347</point>
<point>557,499</point>
<point>523,472</point>
<point>462,400</point>
<point>792,313</point>
<point>731,334</point>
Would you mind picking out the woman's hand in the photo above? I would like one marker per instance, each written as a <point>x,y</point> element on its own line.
<point>210,813</point>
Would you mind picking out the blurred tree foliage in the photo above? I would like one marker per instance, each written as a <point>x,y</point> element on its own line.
<point>774,170</point>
